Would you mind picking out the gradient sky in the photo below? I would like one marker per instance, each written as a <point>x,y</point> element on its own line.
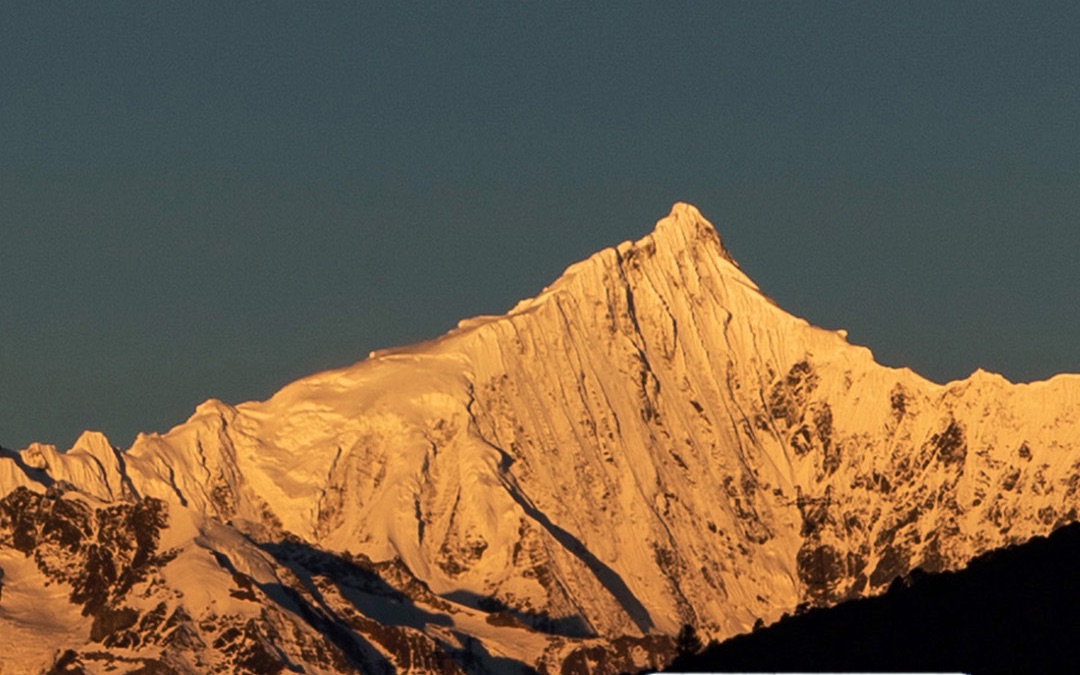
<point>210,201</point>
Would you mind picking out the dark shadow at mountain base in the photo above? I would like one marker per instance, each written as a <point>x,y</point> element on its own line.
<point>377,613</point>
<point>387,613</point>
<point>353,580</point>
<point>356,648</point>
<point>475,658</point>
<point>358,651</point>
<point>390,619</point>
<point>1012,610</point>
<point>501,613</point>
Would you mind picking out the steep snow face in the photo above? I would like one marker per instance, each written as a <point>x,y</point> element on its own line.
<point>650,442</point>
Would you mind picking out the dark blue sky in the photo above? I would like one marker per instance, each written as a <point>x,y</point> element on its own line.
<point>200,201</point>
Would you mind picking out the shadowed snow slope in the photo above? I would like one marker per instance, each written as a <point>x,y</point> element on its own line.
<point>648,443</point>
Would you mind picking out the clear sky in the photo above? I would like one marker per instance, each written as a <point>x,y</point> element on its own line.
<point>210,201</point>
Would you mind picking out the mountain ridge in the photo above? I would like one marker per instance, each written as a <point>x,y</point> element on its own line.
<point>1010,610</point>
<point>650,442</point>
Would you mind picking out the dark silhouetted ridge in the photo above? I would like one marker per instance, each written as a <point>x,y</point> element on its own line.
<point>1012,610</point>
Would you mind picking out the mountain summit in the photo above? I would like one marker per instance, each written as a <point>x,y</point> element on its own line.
<point>649,443</point>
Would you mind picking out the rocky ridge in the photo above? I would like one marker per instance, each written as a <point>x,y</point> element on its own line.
<point>647,444</point>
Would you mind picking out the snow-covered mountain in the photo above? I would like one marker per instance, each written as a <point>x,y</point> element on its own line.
<point>649,443</point>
